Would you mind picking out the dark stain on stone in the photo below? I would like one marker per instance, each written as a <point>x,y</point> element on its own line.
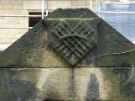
<point>92,93</point>
<point>15,89</point>
<point>72,92</point>
<point>53,95</point>
<point>49,100</point>
<point>53,100</point>
<point>88,59</point>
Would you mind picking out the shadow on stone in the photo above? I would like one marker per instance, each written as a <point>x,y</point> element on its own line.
<point>93,89</point>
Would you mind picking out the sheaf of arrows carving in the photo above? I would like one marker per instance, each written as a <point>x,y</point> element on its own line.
<point>72,42</point>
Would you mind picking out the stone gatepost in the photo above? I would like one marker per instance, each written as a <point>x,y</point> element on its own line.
<point>71,55</point>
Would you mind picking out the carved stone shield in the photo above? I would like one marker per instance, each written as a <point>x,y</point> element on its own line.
<point>72,38</point>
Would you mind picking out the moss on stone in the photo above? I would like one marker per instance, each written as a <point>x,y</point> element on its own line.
<point>29,49</point>
<point>114,80</point>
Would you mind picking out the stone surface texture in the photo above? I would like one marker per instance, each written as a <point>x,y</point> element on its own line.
<point>34,68</point>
